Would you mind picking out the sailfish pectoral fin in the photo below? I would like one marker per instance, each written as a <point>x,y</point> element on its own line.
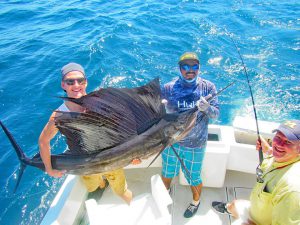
<point>183,166</point>
<point>156,156</point>
<point>164,143</point>
<point>181,162</point>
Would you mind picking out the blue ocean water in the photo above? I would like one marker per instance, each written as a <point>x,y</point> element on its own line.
<point>126,44</point>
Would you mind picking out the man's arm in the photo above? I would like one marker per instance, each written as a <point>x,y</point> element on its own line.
<point>49,131</point>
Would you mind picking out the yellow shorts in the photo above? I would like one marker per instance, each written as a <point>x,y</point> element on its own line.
<point>115,178</point>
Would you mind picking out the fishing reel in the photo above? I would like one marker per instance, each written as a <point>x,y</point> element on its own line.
<point>259,175</point>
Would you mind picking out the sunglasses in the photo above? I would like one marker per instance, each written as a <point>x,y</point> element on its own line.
<point>72,81</point>
<point>187,67</point>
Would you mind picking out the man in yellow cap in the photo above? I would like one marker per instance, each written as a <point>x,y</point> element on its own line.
<point>275,199</point>
<point>181,94</point>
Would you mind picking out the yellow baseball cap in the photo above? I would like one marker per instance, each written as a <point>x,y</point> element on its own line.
<point>188,55</point>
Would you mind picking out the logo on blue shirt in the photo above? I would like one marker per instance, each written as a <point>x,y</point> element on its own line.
<point>184,105</point>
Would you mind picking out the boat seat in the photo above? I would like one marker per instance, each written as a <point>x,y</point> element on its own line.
<point>246,131</point>
<point>148,208</point>
<point>215,158</point>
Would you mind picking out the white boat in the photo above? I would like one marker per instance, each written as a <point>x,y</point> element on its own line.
<point>228,173</point>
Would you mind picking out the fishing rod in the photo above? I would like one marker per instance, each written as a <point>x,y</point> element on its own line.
<point>259,172</point>
<point>220,91</point>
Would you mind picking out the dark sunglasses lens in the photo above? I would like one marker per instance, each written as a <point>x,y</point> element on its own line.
<point>185,67</point>
<point>81,80</point>
<point>69,81</point>
<point>195,67</point>
<point>72,81</point>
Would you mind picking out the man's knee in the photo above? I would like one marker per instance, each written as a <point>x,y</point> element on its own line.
<point>239,209</point>
<point>231,207</point>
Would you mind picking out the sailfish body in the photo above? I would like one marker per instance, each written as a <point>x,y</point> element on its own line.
<point>117,126</point>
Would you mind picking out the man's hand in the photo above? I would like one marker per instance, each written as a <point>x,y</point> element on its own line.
<point>202,103</point>
<point>164,101</point>
<point>55,173</point>
<point>261,143</point>
<point>136,161</point>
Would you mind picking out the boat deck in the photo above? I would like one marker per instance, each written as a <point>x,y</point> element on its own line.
<point>228,173</point>
<point>237,185</point>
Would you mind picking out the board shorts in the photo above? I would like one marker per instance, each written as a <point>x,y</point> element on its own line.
<point>192,159</point>
<point>115,178</point>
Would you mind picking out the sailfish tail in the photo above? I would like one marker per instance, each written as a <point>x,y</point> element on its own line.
<point>22,157</point>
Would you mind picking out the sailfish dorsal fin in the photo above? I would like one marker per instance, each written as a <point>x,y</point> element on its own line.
<point>113,115</point>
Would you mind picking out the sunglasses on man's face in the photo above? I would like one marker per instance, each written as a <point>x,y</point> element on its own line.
<point>72,81</point>
<point>187,67</point>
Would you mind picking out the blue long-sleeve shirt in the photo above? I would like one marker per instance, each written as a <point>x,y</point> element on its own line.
<point>182,95</point>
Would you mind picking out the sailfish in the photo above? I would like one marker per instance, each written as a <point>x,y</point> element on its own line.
<point>116,126</point>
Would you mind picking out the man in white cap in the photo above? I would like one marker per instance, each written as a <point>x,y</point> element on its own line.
<point>74,83</point>
<point>275,199</point>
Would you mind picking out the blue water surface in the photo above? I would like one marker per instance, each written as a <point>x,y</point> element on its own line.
<point>126,44</point>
